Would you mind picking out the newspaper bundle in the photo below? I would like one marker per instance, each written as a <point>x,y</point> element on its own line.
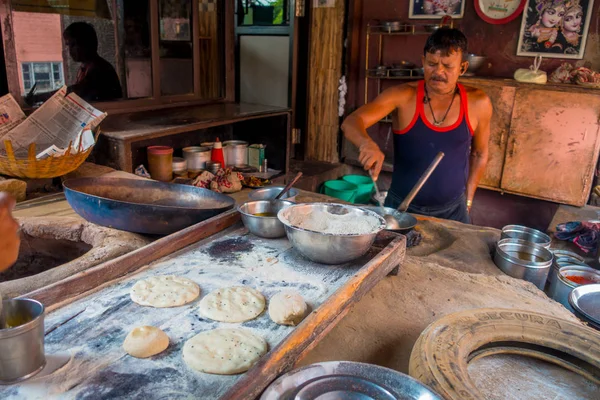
<point>61,120</point>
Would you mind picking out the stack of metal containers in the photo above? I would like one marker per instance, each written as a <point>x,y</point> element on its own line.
<point>525,253</point>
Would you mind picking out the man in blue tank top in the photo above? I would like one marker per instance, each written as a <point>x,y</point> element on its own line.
<point>429,116</point>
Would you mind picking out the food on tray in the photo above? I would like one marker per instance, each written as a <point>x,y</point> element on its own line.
<point>232,304</point>
<point>145,341</point>
<point>287,308</point>
<point>325,222</point>
<point>224,181</point>
<point>224,351</point>
<point>164,291</point>
<point>254,182</point>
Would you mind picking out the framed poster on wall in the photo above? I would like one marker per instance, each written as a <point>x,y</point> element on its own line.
<point>555,28</point>
<point>431,9</point>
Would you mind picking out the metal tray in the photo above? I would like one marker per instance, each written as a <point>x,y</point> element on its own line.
<point>585,300</point>
<point>347,380</point>
<point>143,206</point>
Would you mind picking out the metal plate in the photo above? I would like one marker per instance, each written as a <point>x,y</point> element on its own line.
<point>585,300</point>
<point>347,380</point>
<point>143,206</point>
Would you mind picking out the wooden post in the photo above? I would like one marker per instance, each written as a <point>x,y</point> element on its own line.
<point>325,70</point>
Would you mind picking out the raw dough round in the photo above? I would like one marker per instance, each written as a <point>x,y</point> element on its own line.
<point>145,341</point>
<point>287,308</point>
<point>224,351</point>
<point>164,291</point>
<point>232,304</point>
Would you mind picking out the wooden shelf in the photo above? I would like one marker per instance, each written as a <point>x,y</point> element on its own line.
<point>407,30</point>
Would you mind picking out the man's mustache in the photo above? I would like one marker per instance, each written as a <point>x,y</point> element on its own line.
<point>439,78</point>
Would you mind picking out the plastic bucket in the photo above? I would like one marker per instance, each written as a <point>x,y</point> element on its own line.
<point>340,190</point>
<point>365,187</point>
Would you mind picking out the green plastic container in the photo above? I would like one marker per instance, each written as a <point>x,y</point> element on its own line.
<point>365,187</point>
<point>340,190</point>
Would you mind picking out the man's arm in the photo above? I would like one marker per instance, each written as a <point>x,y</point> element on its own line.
<point>479,148</point>
<point>356,124</point>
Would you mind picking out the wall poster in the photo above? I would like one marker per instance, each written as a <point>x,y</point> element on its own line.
<point>555,28</point>
<point>431,9</point>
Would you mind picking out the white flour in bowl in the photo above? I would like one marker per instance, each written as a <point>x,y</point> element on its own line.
<point>325,222</point>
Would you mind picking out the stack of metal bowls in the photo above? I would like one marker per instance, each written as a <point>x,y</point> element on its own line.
<point>524,260</point>
<point>563,258</point>
<point>585,300</point>
<point>562,286</point>
<point>527,234</point>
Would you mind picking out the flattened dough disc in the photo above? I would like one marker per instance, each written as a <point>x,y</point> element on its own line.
<point>224,351</point>
<point>232,304</point>
<point>164,291</point>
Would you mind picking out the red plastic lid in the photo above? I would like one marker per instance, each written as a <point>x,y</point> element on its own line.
<point>160,150</point>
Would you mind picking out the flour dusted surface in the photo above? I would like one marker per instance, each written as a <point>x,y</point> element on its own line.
<point>325,222</point>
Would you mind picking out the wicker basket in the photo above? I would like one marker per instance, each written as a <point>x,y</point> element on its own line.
<point>50,167</point>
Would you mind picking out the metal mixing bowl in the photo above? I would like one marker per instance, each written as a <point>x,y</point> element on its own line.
<point>271,192</point>
<point>475,62</point>
<point>266,227</point>
<point>327,248</point>
<point>561,287</point>
<point>524,260</point>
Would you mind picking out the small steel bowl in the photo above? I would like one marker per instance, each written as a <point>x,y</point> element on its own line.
<point>431,28</point>
<point>527,234</point>
<point>265,227</point>
<point>563,258</point>
<point>561,287</point>
<point>524,260</point>
<point>269,193</point>
<point>328,248</point>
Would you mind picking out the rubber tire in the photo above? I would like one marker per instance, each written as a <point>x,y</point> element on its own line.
<point>441,355</point>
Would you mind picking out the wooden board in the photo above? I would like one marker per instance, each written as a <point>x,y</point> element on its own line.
<point>231,257</point>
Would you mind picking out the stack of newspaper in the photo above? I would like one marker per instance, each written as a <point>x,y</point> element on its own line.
<point>60,121</point>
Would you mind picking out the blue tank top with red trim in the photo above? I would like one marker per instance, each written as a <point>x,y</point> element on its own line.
<point>417,145</point>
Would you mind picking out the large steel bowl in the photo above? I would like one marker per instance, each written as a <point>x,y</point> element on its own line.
<point>475,62</point>
<point>524,260</point>
<point>269,193</point>
<point>264,226</point>
<point>327,248</point>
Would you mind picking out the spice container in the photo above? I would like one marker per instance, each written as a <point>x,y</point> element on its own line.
<point>568,278</point>
<point>235,153</point>
<point>256,155</point>
<point>213,167</point>
<point>160,163</point>
<point>180,167</point>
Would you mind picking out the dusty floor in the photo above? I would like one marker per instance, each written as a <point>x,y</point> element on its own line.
<point>450,271</point>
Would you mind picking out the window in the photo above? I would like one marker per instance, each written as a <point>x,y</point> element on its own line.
<point>264,12</point>
<point>150,51</point>
<point>47,75</point>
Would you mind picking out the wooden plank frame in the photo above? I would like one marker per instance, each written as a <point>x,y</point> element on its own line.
<point>280,359</point>
<point>157,101</point>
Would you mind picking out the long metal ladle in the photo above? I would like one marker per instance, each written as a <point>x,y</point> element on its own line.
<point>391,222</point>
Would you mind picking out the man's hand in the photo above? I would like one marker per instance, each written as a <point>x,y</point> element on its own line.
<point>9,232</point>
<point>371,158</point>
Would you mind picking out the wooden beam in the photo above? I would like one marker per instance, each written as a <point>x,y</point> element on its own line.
<point>326,48</point>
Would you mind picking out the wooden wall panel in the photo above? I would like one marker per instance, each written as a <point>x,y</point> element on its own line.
<point>210,44</point>
<point>325,70</point>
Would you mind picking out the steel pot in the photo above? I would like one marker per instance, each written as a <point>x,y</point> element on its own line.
<point>196,157</point>
<point>269,193</point>
<point>524,260</point>
<point>235,153</point>
<point>561,287</point>
<point>22,346</point>
<point>264,226</point>
<point>563,258</point>
<point>525,233</point>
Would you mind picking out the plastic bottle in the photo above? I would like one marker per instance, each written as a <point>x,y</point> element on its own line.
<point>217,153</point>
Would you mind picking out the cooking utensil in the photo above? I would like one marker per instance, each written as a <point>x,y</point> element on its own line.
<point>269,193</point>
<point>585,300</point>
<point>527,234</point>
<point>388,218</point>
<point>475,62</point>
<point>524,260</point>
<point>395,225</point>
<point>328,248</point>
<point>405,220</point>
<point>235,152</point>
<point>196,157</point>
<point>22,345</point>
<point>266,226</point>
<point>143,206</point>
<point>289,186</point>
<point>561,287</point>
<point>346,380</point>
